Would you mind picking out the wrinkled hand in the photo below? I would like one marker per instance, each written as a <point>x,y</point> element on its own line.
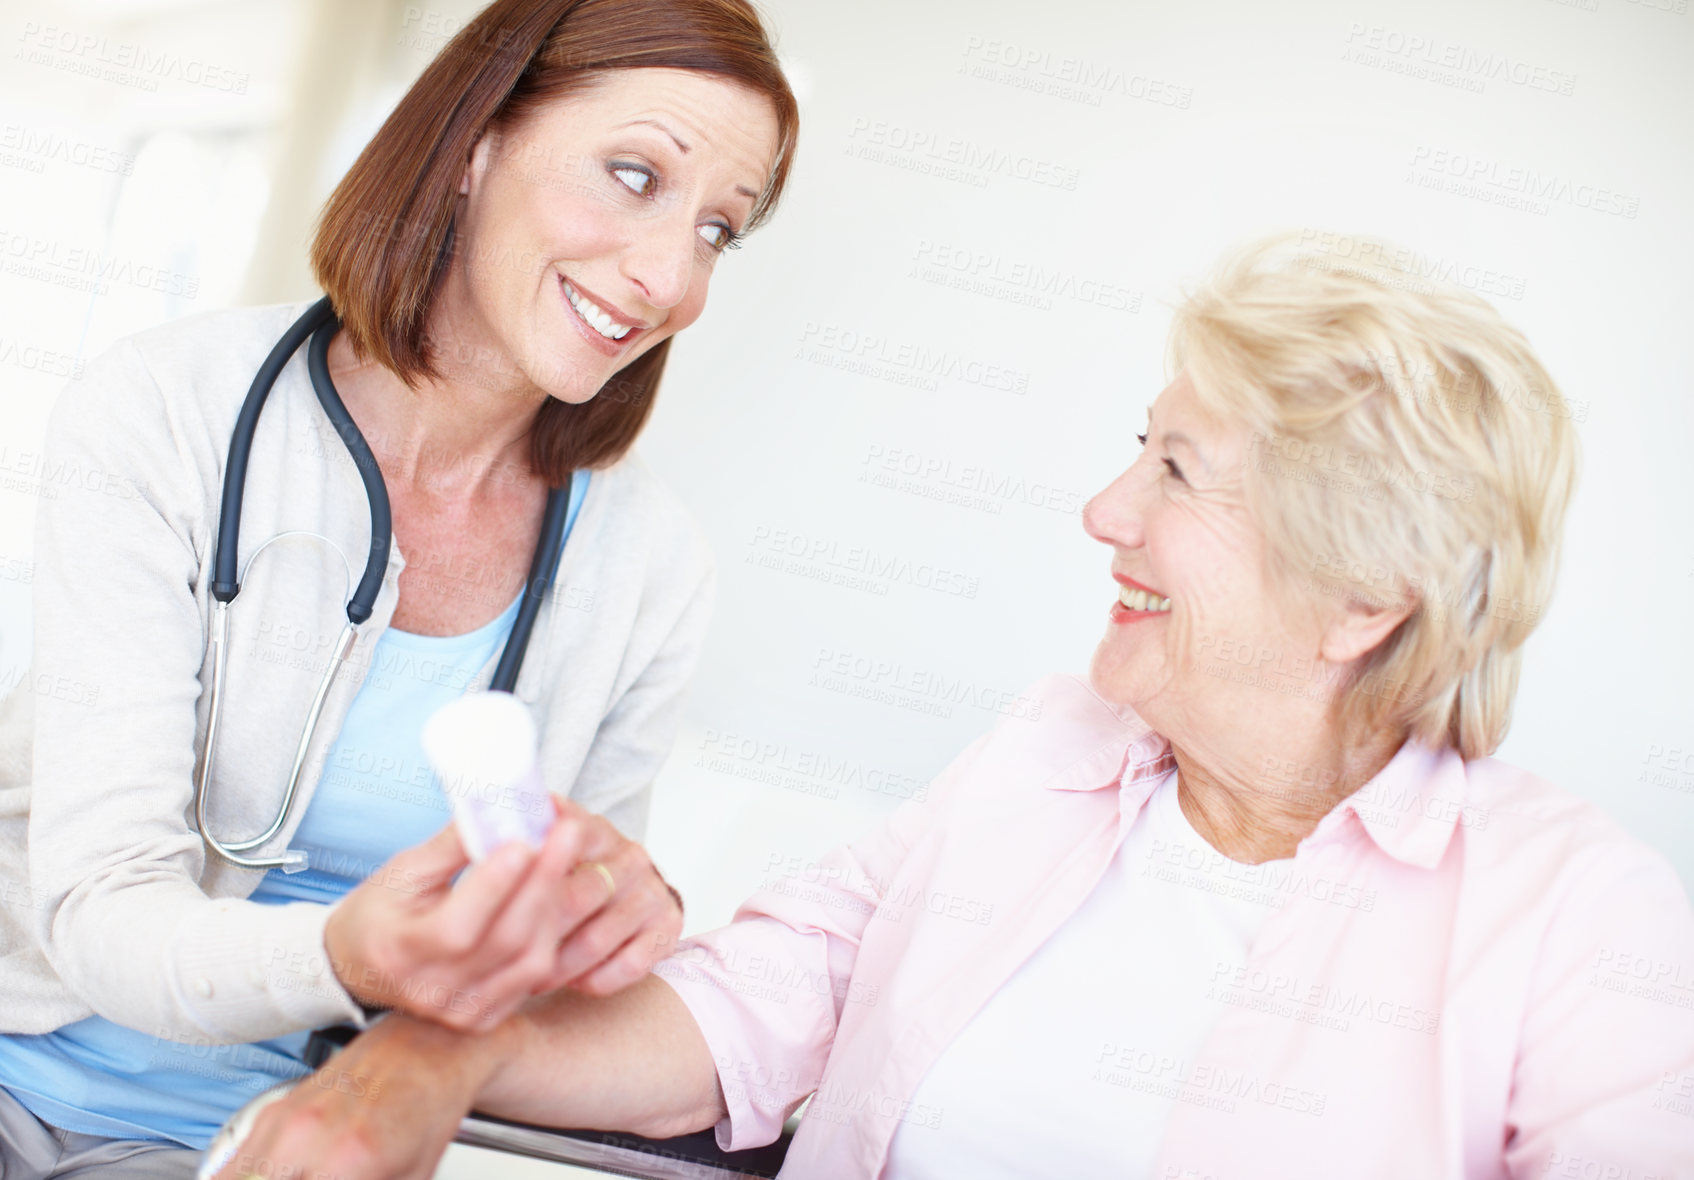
<point>384,1108</point>
<point>522,922</point>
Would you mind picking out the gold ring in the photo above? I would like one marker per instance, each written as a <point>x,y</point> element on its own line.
<point>605,875</point>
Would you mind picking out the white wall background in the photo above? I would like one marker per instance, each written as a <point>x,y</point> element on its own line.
<point>885,318</point>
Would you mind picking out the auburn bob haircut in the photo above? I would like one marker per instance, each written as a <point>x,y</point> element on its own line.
<point>385,238</point>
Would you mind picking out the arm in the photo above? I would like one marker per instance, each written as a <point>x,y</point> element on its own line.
<point>389,1103</point>
<point>634,1061</point>
<point>677,1052</point>
<point>1606,1054</point>
<point>769,990</point>
<point>113,860</point>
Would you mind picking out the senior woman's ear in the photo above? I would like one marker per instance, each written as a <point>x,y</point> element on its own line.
<point>1359,625</point>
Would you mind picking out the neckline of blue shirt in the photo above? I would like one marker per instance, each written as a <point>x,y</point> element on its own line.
<point>467,641</point>
<point>489,630</point>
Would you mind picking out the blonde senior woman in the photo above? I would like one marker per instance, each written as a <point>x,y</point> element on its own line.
<point>1252,901</point>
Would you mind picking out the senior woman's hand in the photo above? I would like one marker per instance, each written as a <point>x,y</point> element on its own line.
<point>587,909</point>
<point>383,1108</point>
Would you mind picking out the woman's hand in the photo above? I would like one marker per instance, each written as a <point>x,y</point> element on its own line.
<point>622,927</point>
<point>384,1108</point>
<point>520,923</point>
<point>462,954</point>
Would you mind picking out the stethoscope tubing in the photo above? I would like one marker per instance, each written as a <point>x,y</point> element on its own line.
<point>318,325</point>
<point>225,583</point>
<point>542,569</point>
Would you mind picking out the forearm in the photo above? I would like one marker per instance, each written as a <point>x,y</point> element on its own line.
<point>634,1061</point>
<point>161,957</point>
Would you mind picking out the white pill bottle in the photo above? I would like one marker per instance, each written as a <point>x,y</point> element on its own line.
<point>484,750</point>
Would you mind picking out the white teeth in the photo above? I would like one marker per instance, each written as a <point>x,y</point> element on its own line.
<point>597,319</point>
<point>1135,599</point>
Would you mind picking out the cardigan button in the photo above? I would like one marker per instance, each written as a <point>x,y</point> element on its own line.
<point>203,987</point>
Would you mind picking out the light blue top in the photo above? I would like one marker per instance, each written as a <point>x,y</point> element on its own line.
<point>376,796</point>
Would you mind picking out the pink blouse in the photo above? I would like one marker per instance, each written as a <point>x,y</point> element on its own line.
<point>1473,975</point>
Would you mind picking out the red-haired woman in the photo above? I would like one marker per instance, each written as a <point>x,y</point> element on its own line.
<point>507,260</point>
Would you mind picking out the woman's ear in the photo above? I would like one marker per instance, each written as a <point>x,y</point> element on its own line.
<point>477,165</point>
<point>1361,625</point>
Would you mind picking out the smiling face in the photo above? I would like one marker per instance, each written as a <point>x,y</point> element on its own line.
<point>588,232</point>
<point>1194,608</point>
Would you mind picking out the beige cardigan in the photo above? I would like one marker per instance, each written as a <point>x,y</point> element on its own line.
<point>109,903</point>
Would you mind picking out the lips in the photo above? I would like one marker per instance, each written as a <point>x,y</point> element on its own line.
<point>1137,601</point>
<point>603,325</point>
<point>1126,580</point>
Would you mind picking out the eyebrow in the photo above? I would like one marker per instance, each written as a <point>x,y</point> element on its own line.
<point>677,139</point>
<point>685,149</point>
<point>1176,436</point>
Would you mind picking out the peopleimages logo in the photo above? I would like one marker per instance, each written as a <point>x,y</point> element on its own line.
<point>39,360</point>
<point>1199,1084</point>
<point>85,269</point>
<point>1301,459</point>
<point>951,157</point>
<point>1314,1001</point>
<point>1417,54</point>
<point>800,768</point>
<point>1514,185</point>
<point>1413,264</point>
<point>1015,280</point>
<point>924,690</point>
<point>969,485</point>
<point>784,974</point>
<point>30,148</point>
<point>34,473</point>
<point>121,61</point>
<point>904,362</point>
<point>1077,79</point>
<point>854,566</point>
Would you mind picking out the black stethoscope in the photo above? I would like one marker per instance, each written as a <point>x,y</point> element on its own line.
<point>320,324</point>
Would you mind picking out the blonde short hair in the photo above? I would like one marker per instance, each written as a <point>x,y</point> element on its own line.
<point>1404,440</point>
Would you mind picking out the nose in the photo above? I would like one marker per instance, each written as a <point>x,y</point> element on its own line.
<point>1114,516</point>
<point>660,261</point>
